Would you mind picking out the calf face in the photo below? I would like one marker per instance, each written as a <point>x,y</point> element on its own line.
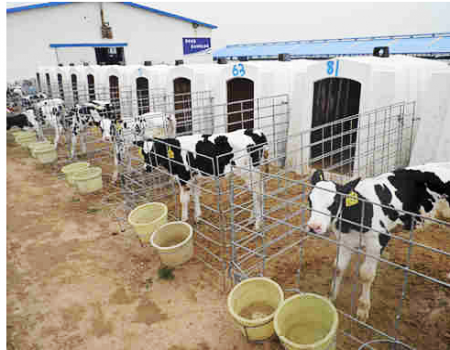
<point>325,201</point>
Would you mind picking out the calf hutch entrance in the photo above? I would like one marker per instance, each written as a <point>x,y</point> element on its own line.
<point>142,94</point>
<point>240,93</point>
<point>334,99</point>
<point>183,104</point>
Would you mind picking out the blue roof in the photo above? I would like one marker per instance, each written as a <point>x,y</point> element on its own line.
<point>133,4</point>
<point>415,44</point>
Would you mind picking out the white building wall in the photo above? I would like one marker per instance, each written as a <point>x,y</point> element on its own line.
<point>150,37</point>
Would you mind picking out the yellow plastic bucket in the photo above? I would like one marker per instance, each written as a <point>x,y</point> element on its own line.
<point>147,218</point>
<point>252,304</point>
<point>88,180</point>
<point>46,153</point>
<point>174,242</point>
<point>71,169</point>
<point>26,138</point>
<point>36,145</point>
<point>10,134</point>
<point>307,321</point>
<point>19,134</point>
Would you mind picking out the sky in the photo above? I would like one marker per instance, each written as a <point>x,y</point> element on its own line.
<point>246,22</point>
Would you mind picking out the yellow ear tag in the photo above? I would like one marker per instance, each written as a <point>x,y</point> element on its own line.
<point>170,153</point>
<point>118,126</point>
<point>140,153</point>
<point>321,177</point>
<point>351,200</point>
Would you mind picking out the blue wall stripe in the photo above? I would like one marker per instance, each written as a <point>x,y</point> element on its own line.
<point>132,4</point>
<point>89,45</point>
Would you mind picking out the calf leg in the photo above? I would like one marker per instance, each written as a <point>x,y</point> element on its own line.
<point>367,273</point>
<point>55,143</point>
<point>83,142</point>
<point>196,193</point>
<point>73,146</point>
<point>116,163</point>
<point>185,194</point>
<point>341,263</point>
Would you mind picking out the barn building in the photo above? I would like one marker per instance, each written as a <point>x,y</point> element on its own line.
<point>49,34</point>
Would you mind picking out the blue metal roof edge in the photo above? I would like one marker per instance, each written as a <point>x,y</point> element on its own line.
<point>168,14</point>
<point>89,45</point>
<point>35,6</point>
<point>368,38</point>
<point>132,4</point>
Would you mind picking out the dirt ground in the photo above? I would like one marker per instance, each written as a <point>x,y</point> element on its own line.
<point>73,283</point>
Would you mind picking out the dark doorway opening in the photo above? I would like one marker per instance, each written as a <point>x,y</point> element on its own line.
<point>183,104</point>
<point>114,96</point>
<point>38,81</point>
<point>76,98</point>
<point>49,85</point>
<point>142,95</point>
<point>91,87</point>
<point>61,86</point>
<point>335,99</point>
<point>240,94</point>
<point>109,55</point>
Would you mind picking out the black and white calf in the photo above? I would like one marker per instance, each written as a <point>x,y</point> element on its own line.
<point>124,132</point>
<point>50,113</point>
<point>189,158</point>
<point>89,114</point>
<point>373,206</point>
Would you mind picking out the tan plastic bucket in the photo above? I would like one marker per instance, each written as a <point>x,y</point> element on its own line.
<point>46,153</point>
<point>252,304</point>
<point>36,145</point>
<point>175,243</point>
<point>71,169</point>
<point>88,180</point>
<point>307,321</point>
<point>147,218</point>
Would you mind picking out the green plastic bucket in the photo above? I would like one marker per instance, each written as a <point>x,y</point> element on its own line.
<point>307,322</point>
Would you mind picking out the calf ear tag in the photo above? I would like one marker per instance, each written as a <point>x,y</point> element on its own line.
<point>140,153</point>
<point>170,153</point>
<point>351,200</point>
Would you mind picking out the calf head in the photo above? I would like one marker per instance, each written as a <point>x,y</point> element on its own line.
<point>147,150</point>
<point>325,202</point>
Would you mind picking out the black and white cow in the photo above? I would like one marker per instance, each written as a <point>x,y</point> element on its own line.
<point>189,158</point>
<point>380,203</point>
<point>50,113</point>
<point>124,133</point>
<point>94,113</point>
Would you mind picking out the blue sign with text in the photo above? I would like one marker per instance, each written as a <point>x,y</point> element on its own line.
<point>194,45</point>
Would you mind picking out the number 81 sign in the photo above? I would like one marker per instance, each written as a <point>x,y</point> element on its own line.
<point>333,69</point>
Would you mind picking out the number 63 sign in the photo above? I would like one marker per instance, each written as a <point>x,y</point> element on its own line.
<point>238,70</point>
